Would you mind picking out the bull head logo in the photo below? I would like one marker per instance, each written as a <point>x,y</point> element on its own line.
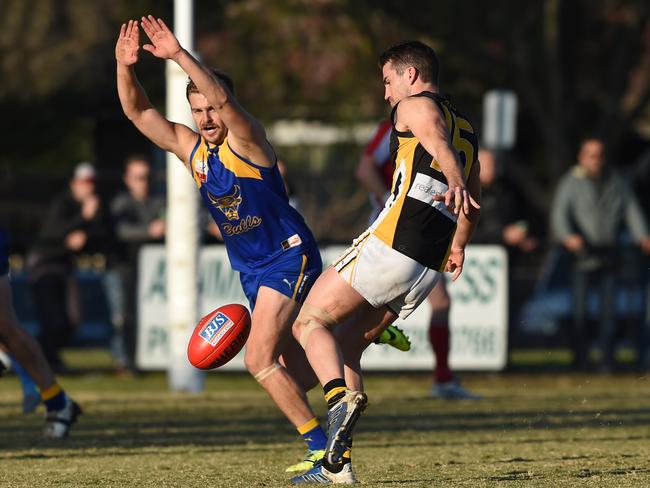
<point>229,204</point>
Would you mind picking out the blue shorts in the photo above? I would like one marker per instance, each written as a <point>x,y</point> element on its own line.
<point>292,275</point>
<point>4,253</point>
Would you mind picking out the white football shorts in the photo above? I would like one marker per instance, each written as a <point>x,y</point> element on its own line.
<point>384,276</point>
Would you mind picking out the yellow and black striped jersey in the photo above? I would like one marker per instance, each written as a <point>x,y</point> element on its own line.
<point>412,222</point>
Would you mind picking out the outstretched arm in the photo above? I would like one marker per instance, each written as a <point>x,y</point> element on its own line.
<point>245,133</point>
<point>424,119</point>
<point>176,138</point>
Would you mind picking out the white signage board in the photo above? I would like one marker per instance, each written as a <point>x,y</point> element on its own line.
<point>500,119</point>
<point>479,313</point>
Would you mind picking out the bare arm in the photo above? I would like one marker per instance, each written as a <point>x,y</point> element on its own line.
<point>424,119</point>
<point>367,175</point>
<point>176,138</point>
<point>466,224</point>
<point>245,133</point>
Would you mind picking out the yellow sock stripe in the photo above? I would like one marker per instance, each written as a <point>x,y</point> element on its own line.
<point>51,392</point>
<point>304,428</point>
<point>333,392</point>
<point>299,280</point>
<point>347,454</point>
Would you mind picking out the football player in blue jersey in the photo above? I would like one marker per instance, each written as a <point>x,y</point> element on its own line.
<point>60,410</point>
<point>234,167</point>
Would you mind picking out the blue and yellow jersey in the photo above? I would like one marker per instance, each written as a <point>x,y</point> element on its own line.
<point>249,203</point>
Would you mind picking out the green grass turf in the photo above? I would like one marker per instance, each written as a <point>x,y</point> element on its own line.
<point>541,430</point>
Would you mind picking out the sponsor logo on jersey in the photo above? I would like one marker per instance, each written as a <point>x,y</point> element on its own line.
<point>425,188</point>
<point>201,170</point>
<point>293,241</point>
<point>216,328</point>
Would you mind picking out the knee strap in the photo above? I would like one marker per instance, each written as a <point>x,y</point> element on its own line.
<point>266,372</point>
<point>313,318</point>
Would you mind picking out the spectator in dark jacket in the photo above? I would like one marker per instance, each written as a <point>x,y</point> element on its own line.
<point>504,215</point>
<point>75,223</point>
<point>138,217</point>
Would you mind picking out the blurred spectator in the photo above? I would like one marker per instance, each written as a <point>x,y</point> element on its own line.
<point>375,173</point>
<point>507,220</point>
<point>138,217</point>
<point>591,206</point>
<point>504,214</point>
<point>75,223</point>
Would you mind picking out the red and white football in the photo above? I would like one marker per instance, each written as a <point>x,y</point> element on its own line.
<point>219,336</point>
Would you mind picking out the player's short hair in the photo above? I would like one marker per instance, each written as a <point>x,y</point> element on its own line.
<point>413,53</point>
<point>220,75</point>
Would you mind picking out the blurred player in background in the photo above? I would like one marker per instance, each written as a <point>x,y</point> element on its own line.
<point>375,173</point>
<point>391,268</point>
<point>234,167</point>
<point>60,410</point>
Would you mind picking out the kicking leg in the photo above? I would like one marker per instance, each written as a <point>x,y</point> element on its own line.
<point>330,302</point>
<point>355,335</point>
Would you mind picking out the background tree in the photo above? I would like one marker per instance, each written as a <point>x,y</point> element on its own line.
<point>577,66</point>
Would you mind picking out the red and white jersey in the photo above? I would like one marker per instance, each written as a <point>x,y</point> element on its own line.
<point>379,149</point>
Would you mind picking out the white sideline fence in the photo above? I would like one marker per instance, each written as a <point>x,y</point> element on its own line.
<point>479,312</point>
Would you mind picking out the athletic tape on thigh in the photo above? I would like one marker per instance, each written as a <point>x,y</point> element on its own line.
<point>313,318</point>
<point>266,372</point>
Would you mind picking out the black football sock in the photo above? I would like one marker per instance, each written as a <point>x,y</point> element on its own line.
<point>334,390</point>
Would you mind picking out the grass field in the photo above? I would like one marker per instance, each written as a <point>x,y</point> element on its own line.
<point>556,429</point>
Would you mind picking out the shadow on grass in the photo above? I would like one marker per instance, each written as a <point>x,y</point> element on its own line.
<point>196,425</point>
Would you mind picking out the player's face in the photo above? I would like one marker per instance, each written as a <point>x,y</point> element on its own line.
<point>396,86</point>
<point>206,119</point>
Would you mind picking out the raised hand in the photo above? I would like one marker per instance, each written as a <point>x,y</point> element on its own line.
<point>128,44</point>
<point>163,41</point>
